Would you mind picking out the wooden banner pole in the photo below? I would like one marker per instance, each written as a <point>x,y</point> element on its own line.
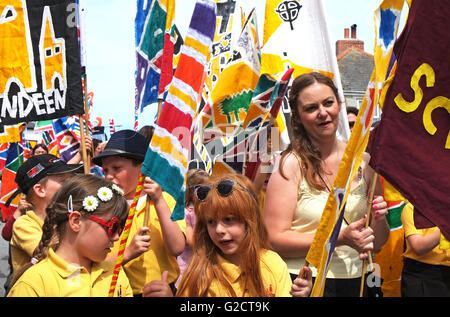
<point>368,213</point>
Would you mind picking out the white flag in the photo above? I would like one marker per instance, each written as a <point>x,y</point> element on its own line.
<point>296,36</point>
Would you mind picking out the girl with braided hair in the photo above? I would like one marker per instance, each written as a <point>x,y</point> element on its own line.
<point>84,219</point>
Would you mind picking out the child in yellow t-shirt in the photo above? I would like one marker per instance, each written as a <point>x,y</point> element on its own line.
<point>231,248</point>
<point>39,178</point>
<point>151,248</point>
<point>84,220</point>
<point>426,268</point>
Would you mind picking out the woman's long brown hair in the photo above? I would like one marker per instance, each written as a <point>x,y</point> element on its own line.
<point>300,141</point>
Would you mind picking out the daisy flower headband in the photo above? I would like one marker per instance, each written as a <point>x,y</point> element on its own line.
<point>91,202</point>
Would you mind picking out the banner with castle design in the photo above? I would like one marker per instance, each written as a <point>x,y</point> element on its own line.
<point>40,71</point>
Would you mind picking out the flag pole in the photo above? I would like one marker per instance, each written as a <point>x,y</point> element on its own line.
<point>83,146</point>
<point>147,211</point>
<point>368,213</point>
<point>160,104</point>
<point>87,162</point>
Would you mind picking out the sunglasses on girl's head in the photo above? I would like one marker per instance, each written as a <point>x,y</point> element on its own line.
<point>112,226</point>
<point>224,189</point>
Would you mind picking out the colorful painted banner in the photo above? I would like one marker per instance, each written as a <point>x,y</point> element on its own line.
<point>40,71</point>
<point>221,47</point>
<point>390,258</point>
<point>170,147</point>
<point>67,140</point>
<point>9,133</point>
<point>154,50</point>
<point>8,198</point>
<point>233,91</point>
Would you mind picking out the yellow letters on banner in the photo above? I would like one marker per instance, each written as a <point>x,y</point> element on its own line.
<point>437,102</point>
<point>406,106</point>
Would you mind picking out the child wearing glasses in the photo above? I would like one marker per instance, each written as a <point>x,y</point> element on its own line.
<point>232,255</point>
<point>38,178</point>
<point>84,219</point>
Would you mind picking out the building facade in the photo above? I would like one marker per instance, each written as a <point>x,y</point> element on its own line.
<point>355,67</point>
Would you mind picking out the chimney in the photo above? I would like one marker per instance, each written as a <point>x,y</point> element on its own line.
<point>349,42</point>
<point>353,31</point>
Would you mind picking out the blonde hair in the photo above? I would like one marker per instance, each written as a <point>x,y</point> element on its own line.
<point>204,267</point>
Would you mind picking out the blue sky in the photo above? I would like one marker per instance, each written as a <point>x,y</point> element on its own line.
<point>111,58</point>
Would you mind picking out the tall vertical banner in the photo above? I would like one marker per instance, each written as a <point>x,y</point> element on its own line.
<point>296,36</point>
<point>411,145</point>
<point>40,70</point>
<point>221,47</point>
<point>390,257</point>
<point>170,147</point>
<point>154,50</point>
<point>234,89</point>
<point>322,248</point>
<point>220,54</point>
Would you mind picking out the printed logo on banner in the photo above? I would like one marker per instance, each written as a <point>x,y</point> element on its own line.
<point>288,11</point>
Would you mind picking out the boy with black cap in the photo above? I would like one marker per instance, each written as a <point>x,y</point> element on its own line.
<point>154,246</point>
<point>38,178</point>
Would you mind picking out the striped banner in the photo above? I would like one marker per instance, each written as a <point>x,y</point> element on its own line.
<point>169,150</point>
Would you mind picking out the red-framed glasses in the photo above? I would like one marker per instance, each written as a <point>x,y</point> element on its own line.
<point>112,226</point>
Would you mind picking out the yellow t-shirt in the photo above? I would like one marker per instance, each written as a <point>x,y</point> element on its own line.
<point>275,275</point>
<point>435,256</point>
<point>27,233</point>
<point>149,266</point>
<point>54,277</point>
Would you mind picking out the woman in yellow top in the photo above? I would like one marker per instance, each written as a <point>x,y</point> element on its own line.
<point>426,268</point>
<point>298,190</point>
<point>83,220</point>
<point>231,249</point>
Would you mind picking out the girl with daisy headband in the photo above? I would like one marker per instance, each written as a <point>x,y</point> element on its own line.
<point>84,219</point>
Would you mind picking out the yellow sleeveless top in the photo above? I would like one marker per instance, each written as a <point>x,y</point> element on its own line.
<point>311,202</point>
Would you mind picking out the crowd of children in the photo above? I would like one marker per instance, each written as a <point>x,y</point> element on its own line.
<point>65,235</point>
<point>65,241</point>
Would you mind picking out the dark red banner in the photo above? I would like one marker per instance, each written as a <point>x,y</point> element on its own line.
<point>411,145</point>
